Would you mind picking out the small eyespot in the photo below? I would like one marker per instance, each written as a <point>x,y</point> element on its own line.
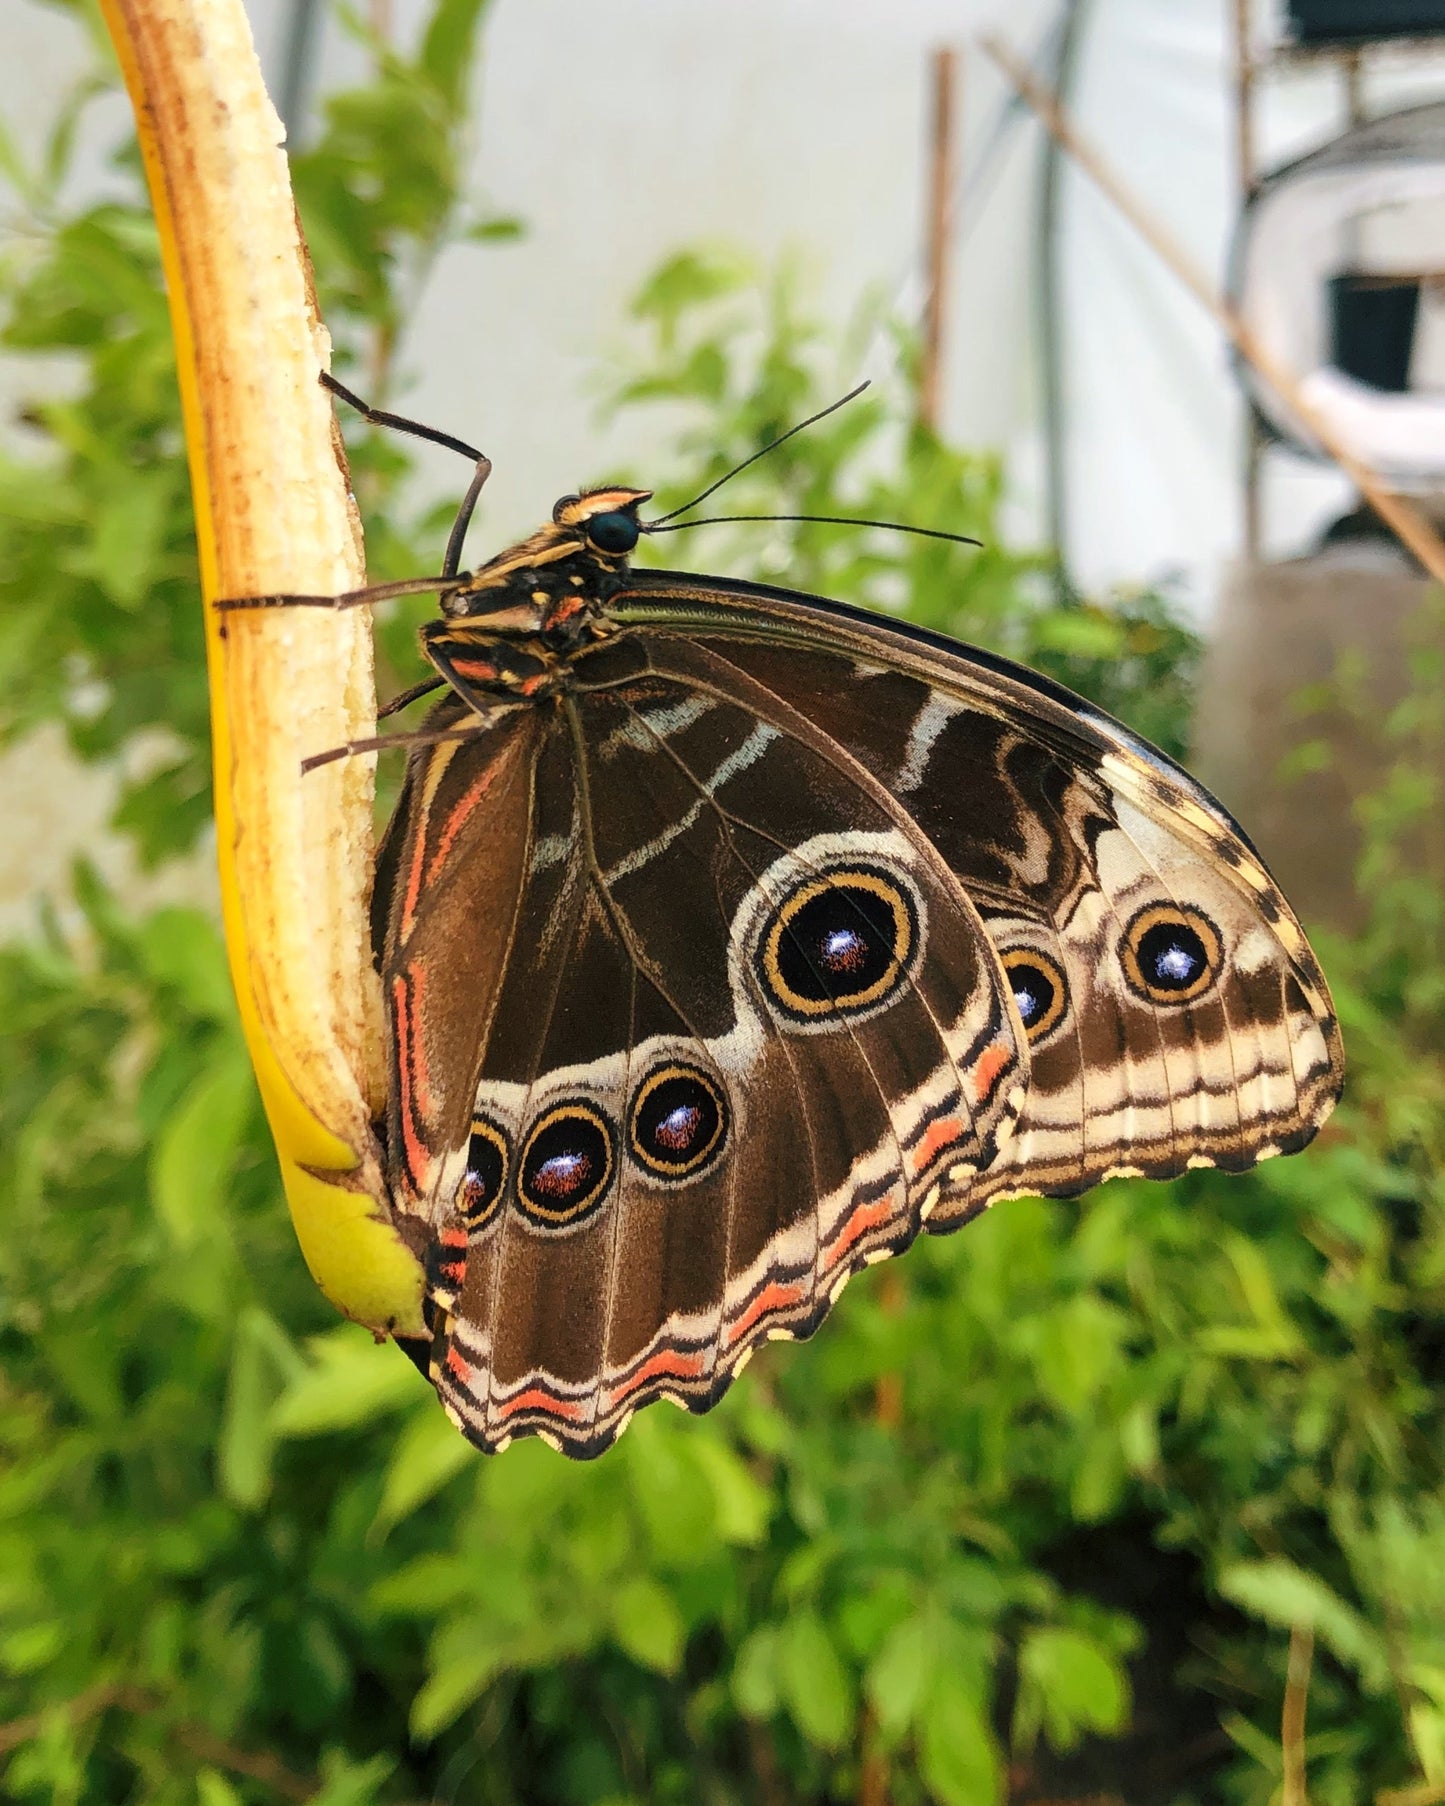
<point>489,1158</point>
<point>615,533</point>
<point>1171,954</point>
<point>679,1122</point>
<point>1040,990</point>
<point>566,1166</point>
<point>839,944</point>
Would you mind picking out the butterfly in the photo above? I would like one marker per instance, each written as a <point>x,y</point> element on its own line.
<point>732,937</point>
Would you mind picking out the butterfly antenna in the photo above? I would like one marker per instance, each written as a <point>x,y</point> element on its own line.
<point>825,520</point>
<point>652,526</point>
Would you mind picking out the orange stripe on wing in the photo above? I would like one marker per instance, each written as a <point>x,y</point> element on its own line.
<point>411,896</point>
<point>537,1398</point>
<point>863,1218</point>
<point>671,1362</point>
<point>942,1133</point>
<point>412,1083</point>
<point>773,1297</point>
<point>456,1366</point>
<point>462,811</point>
<point>991,1063</point>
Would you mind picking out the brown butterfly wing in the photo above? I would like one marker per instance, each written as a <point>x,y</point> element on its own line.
<point>447,892</point>
<point>695,855</point>
<point>1104,874</point>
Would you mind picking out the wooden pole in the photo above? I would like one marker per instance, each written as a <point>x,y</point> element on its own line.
<point>1245,158</point>
<point>1355,87</point>
<point>1403,519</point>
<point>943,75</point>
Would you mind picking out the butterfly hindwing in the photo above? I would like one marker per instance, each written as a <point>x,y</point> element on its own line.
<point>1176,1013</point>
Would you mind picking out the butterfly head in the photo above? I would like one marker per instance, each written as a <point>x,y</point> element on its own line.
<point>603,520</point>
<point>553,577</point>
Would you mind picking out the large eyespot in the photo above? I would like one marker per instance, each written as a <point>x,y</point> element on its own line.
<point>679,1122</point>
<point>566,1166</point>
<point>615,532</point>
<point>839,944</point>
<point>1040,990</point>
<point>1171,954</point>
<point>479,1196</point>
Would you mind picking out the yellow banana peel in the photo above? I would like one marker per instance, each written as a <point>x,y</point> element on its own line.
<point>274,515</point>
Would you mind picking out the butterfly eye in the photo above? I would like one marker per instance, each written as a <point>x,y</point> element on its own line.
<point>566,1166</point>
<point>1040,990</point>
<point>679,1122</point>
<point>1171,954</point>
<point>614,533</point>
<point>840,944</point>
<point>480,1192</point>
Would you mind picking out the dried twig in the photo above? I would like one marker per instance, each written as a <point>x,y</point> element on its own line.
<point>1292,1719</point>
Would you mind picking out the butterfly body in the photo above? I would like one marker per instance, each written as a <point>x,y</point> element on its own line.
<point>731,938</point>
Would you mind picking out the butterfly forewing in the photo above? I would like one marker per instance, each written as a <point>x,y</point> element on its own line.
<point>749,1025</point>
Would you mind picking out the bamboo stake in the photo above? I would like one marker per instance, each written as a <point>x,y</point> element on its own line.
<point>943,67</point>
<point>1244,153</point>
<point>1402,518</point>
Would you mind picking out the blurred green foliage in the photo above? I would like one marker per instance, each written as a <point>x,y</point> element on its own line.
<point>1038,1514</point>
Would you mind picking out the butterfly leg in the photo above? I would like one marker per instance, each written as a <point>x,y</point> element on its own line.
<point>401,424</point>
<point>350,598</point>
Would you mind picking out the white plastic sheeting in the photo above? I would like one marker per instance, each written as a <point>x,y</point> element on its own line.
<point>1373,202</point>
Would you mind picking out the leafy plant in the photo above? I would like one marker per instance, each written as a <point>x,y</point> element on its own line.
<point>101,629</point>
<point>1040,1513</point>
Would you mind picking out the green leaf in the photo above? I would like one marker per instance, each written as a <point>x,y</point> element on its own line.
<point>755,1674</point>
<point>448,47</point>
<point>899,1674</point>
<point>128,540</point>
<point>684,282</point>
<point>957,1758</point>
<point>1285,1595</point>
<point>30,1646</point>
<point>213,1789</point>
<point>1069,1685</point>
<point>263,1361</point>
<point>197,1148</point>
<point>1079,1346</point>
<point>183,949</point>
<point>347,1781</point>
<point>467,1659</point>
<point>430,1451</point>
<point>648,1625</point>
<point>813,1682</point>
<point>743,1506</point>
<point>502,229</point>
<point>351,1380</point>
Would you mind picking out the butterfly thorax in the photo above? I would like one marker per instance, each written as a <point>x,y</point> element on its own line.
<point>511,629</point>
